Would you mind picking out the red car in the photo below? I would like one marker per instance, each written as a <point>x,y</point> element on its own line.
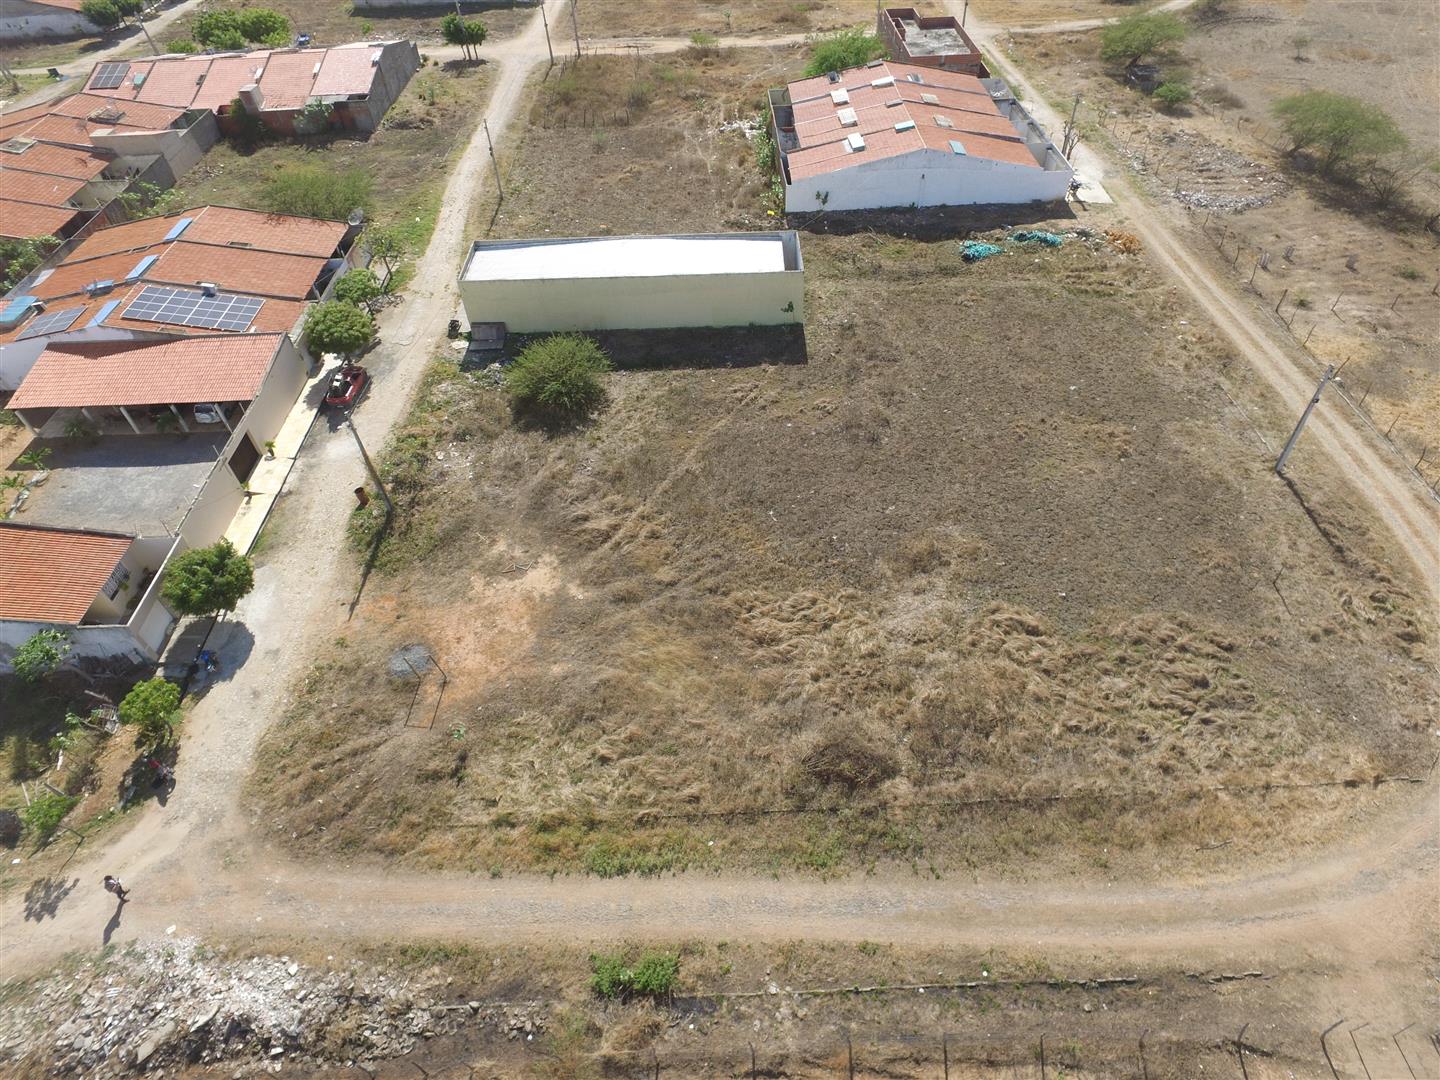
<point>346,385</point>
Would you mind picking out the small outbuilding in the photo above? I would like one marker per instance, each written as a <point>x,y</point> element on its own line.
<point>636,282</point>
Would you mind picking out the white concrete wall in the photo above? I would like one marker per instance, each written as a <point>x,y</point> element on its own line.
<point>181,148</point>
<point>926,178</point>
<point>111,644</point>
<point>20,21</point>
<point>145,556</point>
<point>638,303</point>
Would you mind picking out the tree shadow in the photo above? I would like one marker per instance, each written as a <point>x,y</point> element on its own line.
<point>43,898</point>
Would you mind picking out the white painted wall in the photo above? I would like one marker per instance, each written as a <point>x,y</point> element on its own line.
<point>21,20</point>
<point>926,178</point>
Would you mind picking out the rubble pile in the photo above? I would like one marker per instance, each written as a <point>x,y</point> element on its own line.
<point>156,1005</point>
<point>1210,176</point>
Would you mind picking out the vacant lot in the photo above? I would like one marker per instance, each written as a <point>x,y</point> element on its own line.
<point>1003,537</point>
<point>1222,162</point>
<point>1041,12</point>
<point>668,18</point>
<point>408,159</point>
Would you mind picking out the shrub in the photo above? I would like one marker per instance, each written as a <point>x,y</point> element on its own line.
<point>249,129</point>
<point>469,34</point>
<point>701,40</point>
<point>357,287</point>
<point>314,191</point>
<point>19,257</point>
<point>152,707</point>
<point>558,376</point>
<point>1340,129</point>
<point>843,49</point>
<point>653,976</point>
<point>263,25</point>
<point>229,30</point>
<point>218,30</point>
<point>208,580</point>
<point>313,118</point>
<point>337,327</point>
<point>40,654</point>
<point>182,45</point>
<point>46,811</point>
<point>1136,36</point>
<point>1173,93</point>
<point>103,13</point>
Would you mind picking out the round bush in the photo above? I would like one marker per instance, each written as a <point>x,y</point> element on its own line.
<point>558,377</point>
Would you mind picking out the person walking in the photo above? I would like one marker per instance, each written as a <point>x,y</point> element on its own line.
<point>112,885</point>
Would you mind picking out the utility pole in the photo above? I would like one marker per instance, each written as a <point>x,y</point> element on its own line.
<point>148,39</point>
<point>548,48</point>
<point>1294,435</point>
<point>494,165</point>
<point>370,466</point>
<point>575,24</point>
<point>964,13</point>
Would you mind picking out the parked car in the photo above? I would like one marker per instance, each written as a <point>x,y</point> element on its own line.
<point>208,413</point>
<point>346,384</point>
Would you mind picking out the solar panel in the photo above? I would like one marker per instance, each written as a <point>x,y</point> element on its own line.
<point>109,76</point>
<point>191,307</point>
<point>52,322</point>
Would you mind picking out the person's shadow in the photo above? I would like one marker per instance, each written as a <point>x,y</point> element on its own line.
<point>42,899</point>
<point>114,923</point>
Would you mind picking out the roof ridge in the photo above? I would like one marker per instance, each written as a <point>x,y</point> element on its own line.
<point>33,527</point>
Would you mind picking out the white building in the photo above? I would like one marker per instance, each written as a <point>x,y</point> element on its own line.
<point>21,20</point>
<point>636,282</point>
<point>903,135</point>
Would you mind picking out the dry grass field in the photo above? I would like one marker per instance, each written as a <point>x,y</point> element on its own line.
<point>1386,323</point>
<point>998,576</point>
<point>669,18</point>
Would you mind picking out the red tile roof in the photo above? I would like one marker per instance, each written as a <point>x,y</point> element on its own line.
<point>268,232</point>
<point>212,367</point>
<point>260,273</point>
<point>58,161</point>
<point>959,109</point>
<point>35,187</point>
<point>345,71</point>
<point>287,80</point>
<point>23,220</point>
<point>54,575</point>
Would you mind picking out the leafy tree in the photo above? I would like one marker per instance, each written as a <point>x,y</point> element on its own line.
<point>218,30</point>
<point>46,811</point>
<point>144,199</point>
<point>248,128</point>
<point>208,580</point>
<point>19,257</point>
<point>336,327</point>
<point>389,244</point>
<point>314,191</point>
<point>558,377</point>
<point>182,45</point>
<point>469,34</point>
<point>130,7</point>
<point>103,13</point>
<point>843,49</point>
<point>1173,93</point>
<point>1341,130</point>
<point>40,654</point>
<point>357,287</point>
<point>264,25</point>
<point>1136,36</point>
<point>153,707</point>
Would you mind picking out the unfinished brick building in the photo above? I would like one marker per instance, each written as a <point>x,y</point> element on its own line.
<point>937,41</point>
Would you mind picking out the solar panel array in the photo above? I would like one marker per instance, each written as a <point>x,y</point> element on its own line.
<point>191,307</point>
<point>109,76</point>
<point>52,322</point>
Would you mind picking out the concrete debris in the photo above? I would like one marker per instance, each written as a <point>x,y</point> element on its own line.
<point>1200,173</point>
<point>172,1002</point>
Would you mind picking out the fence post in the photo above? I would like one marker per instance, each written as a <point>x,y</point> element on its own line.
<point>1326,1050</point>
<point>1240,1052</point>
<point>1281,300</point>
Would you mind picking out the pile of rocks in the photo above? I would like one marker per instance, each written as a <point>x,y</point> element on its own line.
<point>161,1004</point>
<point>1203,174</point>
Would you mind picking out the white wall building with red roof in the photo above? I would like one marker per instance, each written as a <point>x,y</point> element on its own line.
<point>901,135</point>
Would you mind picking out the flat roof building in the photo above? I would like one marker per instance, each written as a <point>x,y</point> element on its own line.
<point>636,282</point>
<point>895,135</point>
<point>937,41</point>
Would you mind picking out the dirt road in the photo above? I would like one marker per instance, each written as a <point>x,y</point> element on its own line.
<point>197,865</point>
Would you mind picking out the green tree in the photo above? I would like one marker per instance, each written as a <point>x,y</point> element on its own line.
<point>144,199</point>
<point>182,45</point>
<point>1173,93</point>
<point>389,244</point>
<point>40,654</point>
<point>19,257</point>
<point>218,30</point>
<point>247,127</point>
<point>469,34</point>
<point>103,13</point>
<point>558,377</point>
<point>263,25</point>
<point>1136,36</point>
<point>1340,130</point>
<point>843,49</point>
<point>153,707</point>
<point>335,327</point>
<point>46,811</point>
<point>314,191</point>
<point>208,580</point>
<point>357,287</point>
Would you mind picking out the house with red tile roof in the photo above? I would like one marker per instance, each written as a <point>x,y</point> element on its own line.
<point>895,135</point>
<point>214,269</point>
<point>63,164</point>
<point>344,88</point>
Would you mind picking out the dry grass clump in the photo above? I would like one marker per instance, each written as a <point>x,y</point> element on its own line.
<point>846,753</point>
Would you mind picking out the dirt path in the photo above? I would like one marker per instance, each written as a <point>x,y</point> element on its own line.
<point>196,865</point>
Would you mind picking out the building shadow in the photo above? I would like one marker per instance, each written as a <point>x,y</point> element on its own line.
<point>43,898</point>
<point>688,348</point>
<point>933,222</point>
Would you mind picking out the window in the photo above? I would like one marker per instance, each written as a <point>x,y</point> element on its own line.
<point>118,579</point>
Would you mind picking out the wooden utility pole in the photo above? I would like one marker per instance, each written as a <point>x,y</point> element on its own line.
<point>546,21</point>
<point>575,24</point>
<point>494,164</point>
<point>1295,435</point>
